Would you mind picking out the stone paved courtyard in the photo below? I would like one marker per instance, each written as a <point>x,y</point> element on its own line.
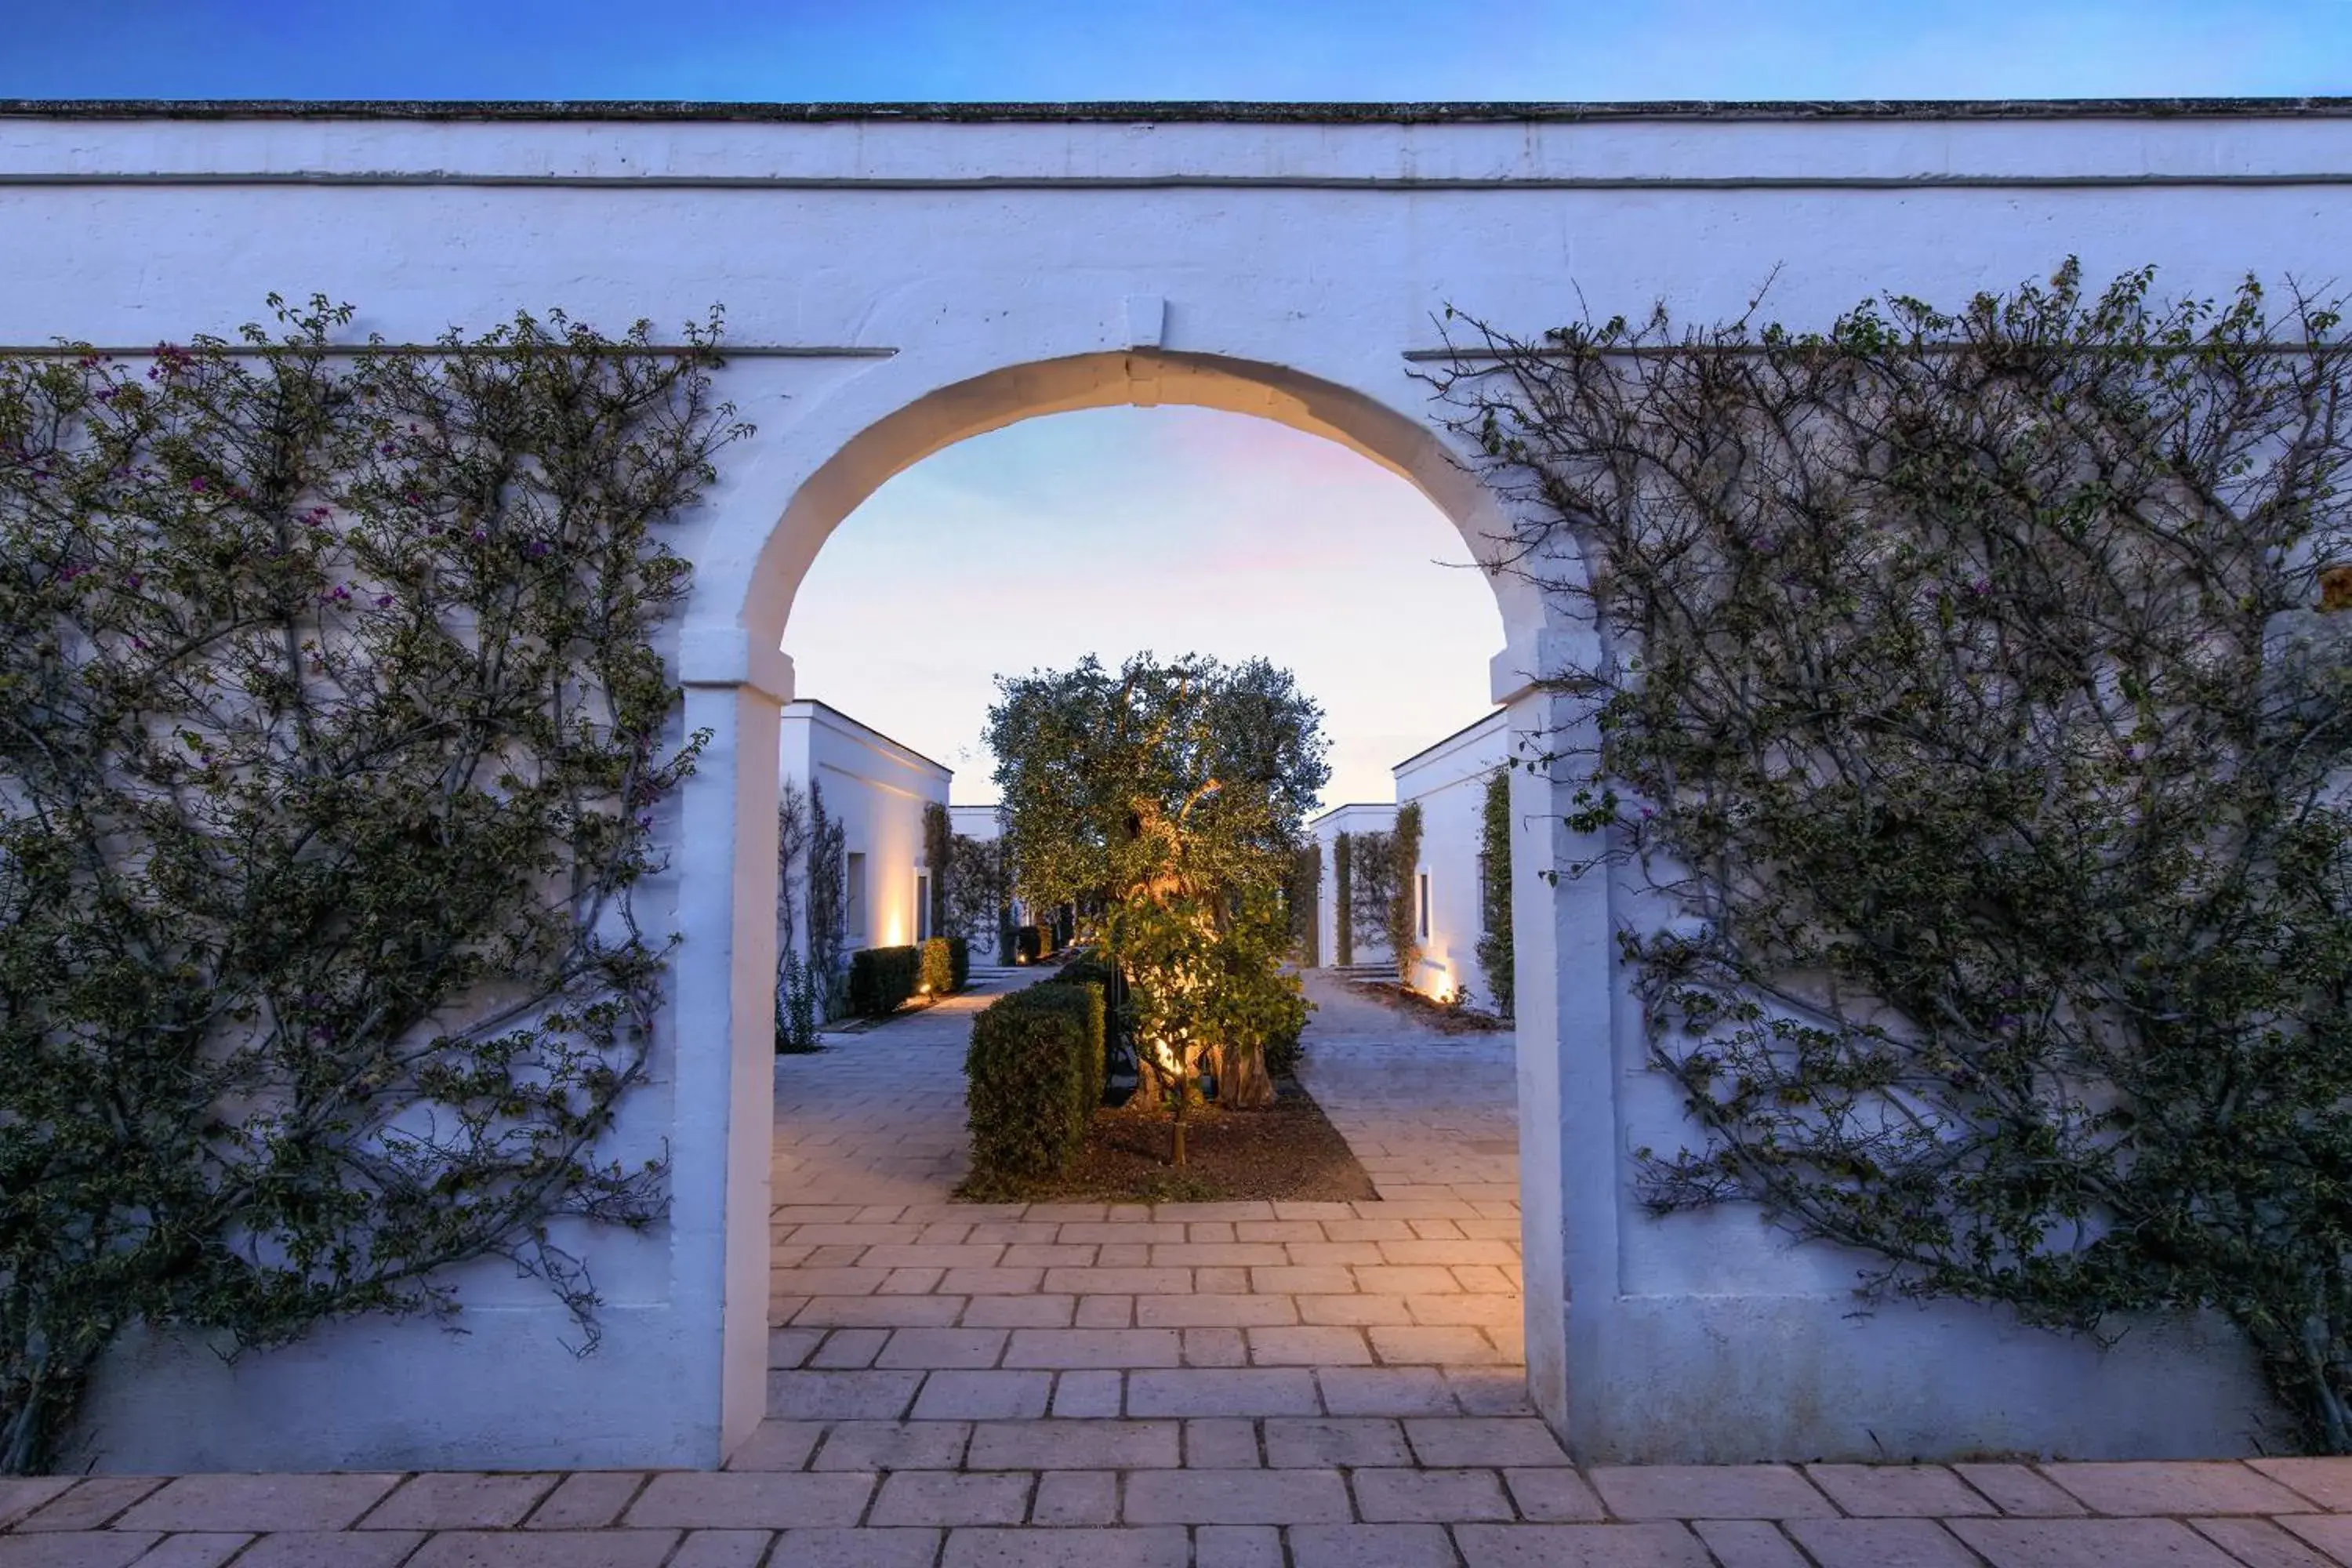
<point>1207,1386</point>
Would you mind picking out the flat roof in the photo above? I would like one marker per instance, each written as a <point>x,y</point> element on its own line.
<point>825,707</point>
<point>1483,718</point>
<point>1140,112</point>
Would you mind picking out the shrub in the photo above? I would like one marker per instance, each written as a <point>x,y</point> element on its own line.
<point>880,978</point>
<point>1495,950</point>
<point>1034,1073</point>
<point>1033,945</point>
<point>796,1007</point>
<point>935,970</point>
<point>959,963</point>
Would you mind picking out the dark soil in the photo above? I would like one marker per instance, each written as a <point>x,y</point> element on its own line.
<point>1437,1015</point>
<point>1289,1151</point>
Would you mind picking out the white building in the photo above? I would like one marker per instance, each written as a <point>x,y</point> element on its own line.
<point>1448,781</point>
<point>984,825</point>
<point>876,789</point>
<point>1357,817</point>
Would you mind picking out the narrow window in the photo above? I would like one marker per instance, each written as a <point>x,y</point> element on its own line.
<point>922,906</point>
<point>853,898</point>
<point>1481,896</point>
<point>1424,906</point>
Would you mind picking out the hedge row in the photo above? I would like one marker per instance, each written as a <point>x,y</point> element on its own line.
<point>880,978</point>
<point>1033,944</point>
<point>1034,1075</point>
<point>936,976</point>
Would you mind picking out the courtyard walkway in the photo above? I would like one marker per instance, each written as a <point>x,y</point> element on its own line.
<point>1209,1385</point>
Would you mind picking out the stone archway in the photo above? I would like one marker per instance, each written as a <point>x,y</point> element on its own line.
<point>737,677</point>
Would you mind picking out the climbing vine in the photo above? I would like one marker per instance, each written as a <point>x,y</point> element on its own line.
<point>938,857</point>
<point>333,739</point>
<point>1496,954</point>
<point>1343,899</point>
<point>1404,890</point>
<point>1965,700</point>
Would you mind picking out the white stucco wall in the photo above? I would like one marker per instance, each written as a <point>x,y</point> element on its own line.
<point>1356,816</point>
<point>878,789</point>
<point>1448,781</point>
<point>895,283</point>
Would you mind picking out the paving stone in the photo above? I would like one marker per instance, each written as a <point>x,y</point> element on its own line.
<point>1144,1281</point>
<point>1123,1255</point>
<point>550,1549</point>
<point>1237,1497</point>
<point>20,1495</point>
<point>983,1396</point>
<point>1749,1544</point>
<point>1363,1312</point>
<point>928,1348</point>
<point>1105,1312</point>
<point>1448,1253</point>
<point>1215,1347</point>
<point>1880,1543</point>
<point>76,1549</point>
<point>332,1549</point>
<point>2089,1544</point>
<point>775,1446</point>
<point>1271,1391</point>
<point>1309,1347</point>
<point>790,1347</point>
<point>256,1503</point>
<point>1221,1281</point>
<point>894,1445</point>
<point>1074,1445</point>
<point>1435,1496</point>
<point>2329,1534</point>
<point>1290,1280</point>
<point>2258,1543</point>
<point>992,1281</point>
<point>1554,1495</point>
<point>1433,1347</point>
<point>880,1312</point>
<point>194,1549</point>
<point>1219,1255</point>
<point>741,1499</point>
<point>2174,1487</point>
<point>1918,1491</point>
<point>454,1501</point>
<point>2326,1481</point>
<point>723,1549</point>
<point>1049,1547</point>
<point>1398,1280</point>
<point>1494,1310</point>
<point>1049,1255</point>
<point>922,1255</point>
<point>1708,1491</point>
<point>1579,1546</point>
<point>1329,1254</point>
<point>1386,1391</point>
<point>828,1281</point>
<point>1019,1312</point>
<point>1089,1396</point>
<point>1489,1391</point>
<point>1118,1348</point>
<point>91,1503</point>
<point>1371,1546</point>
<point>849,1349</point>
<point>1233,1210</point>
<point>591,1499</point>
<point>946,1498</point>
<point>1470,1440</point>
<point>1345,1443</point>
<point>1237,1546</point>
<point>1214,1311</point>
<point>1076,1497</point>
<point>836,1548</point>
<point>841,1395</point>
<point>1220,1443</point>
<point>2019,1490</point>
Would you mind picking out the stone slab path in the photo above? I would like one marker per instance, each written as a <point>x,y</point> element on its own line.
<point>1209,1385</point>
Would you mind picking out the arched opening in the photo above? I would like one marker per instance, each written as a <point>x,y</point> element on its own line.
<point>1443,1346</point>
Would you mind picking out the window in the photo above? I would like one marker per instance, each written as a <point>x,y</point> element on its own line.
<point>852,902</point>
<point>1424,901</point>
<point>1483,928</point>
<point>922,906</point>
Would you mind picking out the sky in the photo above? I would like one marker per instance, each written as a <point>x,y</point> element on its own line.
<point>1249,538</point>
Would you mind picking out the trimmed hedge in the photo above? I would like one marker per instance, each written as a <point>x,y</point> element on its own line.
<point>935,976</point>
<point>880,978</point>
<point>1034,1075</point>
<point>959,963</point>
<point>1033,944</point>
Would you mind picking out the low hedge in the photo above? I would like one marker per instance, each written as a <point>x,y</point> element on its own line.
<point>1034,1075</point>
<point>1033,944</point>
<point>935,977</point>
<point>880,978</point>
<point>959,963</point>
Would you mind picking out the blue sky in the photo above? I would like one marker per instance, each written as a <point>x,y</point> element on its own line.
<point>1251,538</point>
<point>1365,50</point>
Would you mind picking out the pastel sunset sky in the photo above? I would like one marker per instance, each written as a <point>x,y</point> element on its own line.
<point>1246,537</point>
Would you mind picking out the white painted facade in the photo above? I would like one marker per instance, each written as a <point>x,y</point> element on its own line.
<point>897,281</point>
<point>1448,781</point>
<point>984,824</point>
<point>876,789</point>
<point>1355,817</point>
